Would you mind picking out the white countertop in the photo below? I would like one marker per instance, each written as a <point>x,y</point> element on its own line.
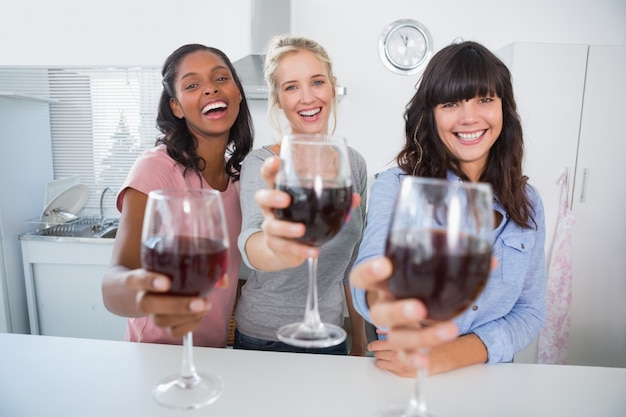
<point>66,377</point>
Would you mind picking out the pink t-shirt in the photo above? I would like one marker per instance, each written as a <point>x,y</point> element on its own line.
<point>155,170</point>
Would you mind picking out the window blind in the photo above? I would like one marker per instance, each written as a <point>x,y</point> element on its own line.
<point>100,120</point>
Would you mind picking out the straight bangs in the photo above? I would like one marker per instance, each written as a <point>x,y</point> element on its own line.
<point>467,75</point>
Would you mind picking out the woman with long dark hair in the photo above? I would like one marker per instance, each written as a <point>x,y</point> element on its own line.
<point>461,125</point>
<point>206,133</point>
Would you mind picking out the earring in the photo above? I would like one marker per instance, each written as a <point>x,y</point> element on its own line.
<point>417,144</point>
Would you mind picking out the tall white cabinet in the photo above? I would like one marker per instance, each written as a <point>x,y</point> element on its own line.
<point>25,167</point>
<point>572,101</point>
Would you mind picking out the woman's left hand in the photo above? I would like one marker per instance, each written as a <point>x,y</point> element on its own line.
<point>399,353</point>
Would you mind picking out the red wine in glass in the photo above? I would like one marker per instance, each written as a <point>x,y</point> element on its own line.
<point>185,237</point>
<point>323,212</point>
<point>445,275</point>
<point>315,172</point>
<point>439,243</point>
<point>194,267</point>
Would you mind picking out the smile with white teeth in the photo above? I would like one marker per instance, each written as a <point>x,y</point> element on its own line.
<point>310,113</point>
<point>214,106</point>
<point>470,136</point>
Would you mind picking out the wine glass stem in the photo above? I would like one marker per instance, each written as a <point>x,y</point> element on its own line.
<point>311,314</point>
<point>188,373</point>
<point>417,404</point>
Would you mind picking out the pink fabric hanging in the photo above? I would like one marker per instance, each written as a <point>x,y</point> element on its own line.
<point>553,337</point>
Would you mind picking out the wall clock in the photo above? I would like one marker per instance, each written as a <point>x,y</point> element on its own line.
<point>405,46</point>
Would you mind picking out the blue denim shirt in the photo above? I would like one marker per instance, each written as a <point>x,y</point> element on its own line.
<point>510,311</point>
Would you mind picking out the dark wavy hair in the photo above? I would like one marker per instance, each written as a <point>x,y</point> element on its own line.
<point>180,143</point>
<point>458,72</point>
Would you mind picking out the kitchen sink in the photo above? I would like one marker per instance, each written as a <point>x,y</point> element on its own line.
<point>106,230</point>
<point>108,233</point>
<point>82,227</point>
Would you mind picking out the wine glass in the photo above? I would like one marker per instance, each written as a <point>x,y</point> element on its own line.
<point>315,172</point>
<point>439,242</point>
<point>185,237</point>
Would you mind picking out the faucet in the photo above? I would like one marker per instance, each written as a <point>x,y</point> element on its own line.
<point>102,202</point>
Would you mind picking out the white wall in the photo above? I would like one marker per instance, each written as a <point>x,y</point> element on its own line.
<point>119,32</point>
<point>371,113</point>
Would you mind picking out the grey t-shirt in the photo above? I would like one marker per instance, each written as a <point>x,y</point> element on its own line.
<point>270,300</point>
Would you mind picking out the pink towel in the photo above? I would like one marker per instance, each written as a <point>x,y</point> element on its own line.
<point>552,343</point>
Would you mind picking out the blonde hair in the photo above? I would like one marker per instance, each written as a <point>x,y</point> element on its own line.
<point>278,47</point>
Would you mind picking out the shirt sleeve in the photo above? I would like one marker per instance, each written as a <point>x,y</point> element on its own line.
<point>380,210</point>
<point>359,174</point>
<point>250,182</point>
<point>152,170</point>
<point>516,329</point>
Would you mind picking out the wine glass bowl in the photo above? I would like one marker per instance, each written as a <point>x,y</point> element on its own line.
<point>184,236</point>
<point>440,245</point>
<point>450,278</point>
<point>183,256</point>
<point>315,172</point>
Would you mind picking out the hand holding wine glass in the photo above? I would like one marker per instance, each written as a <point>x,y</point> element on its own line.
<point>315,172</point>
<point>439,244</point>
<point>184,237</point>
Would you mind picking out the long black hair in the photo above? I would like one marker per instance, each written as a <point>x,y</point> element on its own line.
<point>459,72</point>
<point>180,143</point>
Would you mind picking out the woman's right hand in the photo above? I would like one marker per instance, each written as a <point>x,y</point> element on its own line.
<point>279,235</point>
<point>276,248</point>
<point>177,314</point>
<point>131,291</point>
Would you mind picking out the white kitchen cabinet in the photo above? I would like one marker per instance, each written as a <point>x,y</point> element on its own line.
<point>25,167</point>
<point>63,287</point>
<point>572,102</point>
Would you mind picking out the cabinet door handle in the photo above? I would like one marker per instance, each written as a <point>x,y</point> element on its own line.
<point>583,190</point>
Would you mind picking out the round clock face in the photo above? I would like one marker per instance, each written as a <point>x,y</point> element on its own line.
<point>405,46</point>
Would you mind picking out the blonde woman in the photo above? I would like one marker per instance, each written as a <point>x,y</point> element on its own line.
<point>302,99</point>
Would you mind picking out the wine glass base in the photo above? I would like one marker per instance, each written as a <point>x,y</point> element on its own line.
<point>301,335</point>
<point>401,411</point>
<point>189,393</point>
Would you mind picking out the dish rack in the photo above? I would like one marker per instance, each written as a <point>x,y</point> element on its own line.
<point>81,225</point>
